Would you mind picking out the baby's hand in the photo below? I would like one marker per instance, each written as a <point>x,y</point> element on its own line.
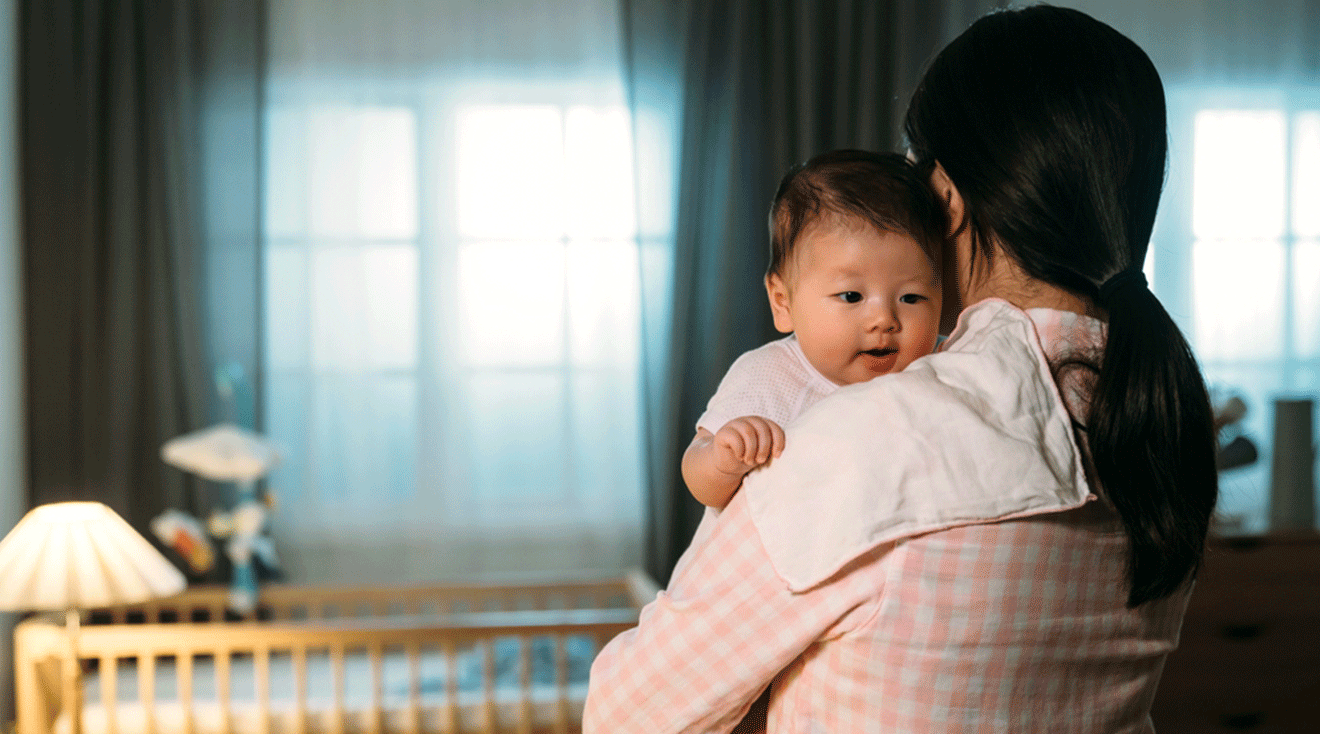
<point>745,443</point>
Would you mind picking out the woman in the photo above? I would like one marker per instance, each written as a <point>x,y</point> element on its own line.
<point>1001,537</point>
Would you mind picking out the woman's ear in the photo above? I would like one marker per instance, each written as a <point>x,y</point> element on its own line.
<point>957,246</point>
<point>954,207</point>
<point>777,291</point>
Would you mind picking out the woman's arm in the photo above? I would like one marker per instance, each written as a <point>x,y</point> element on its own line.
<point>708,645</point>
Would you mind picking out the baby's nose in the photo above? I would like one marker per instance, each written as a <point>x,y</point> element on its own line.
<point>884,319</point>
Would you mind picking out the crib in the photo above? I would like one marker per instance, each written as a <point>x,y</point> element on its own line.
<point>441,659</point>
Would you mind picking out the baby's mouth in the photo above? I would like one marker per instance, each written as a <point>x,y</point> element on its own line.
<point>885,352</point>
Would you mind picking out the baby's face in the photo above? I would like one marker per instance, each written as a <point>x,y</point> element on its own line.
<point>863,302</point>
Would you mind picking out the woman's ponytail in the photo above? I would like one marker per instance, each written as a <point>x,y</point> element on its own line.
<point>1151,439</point>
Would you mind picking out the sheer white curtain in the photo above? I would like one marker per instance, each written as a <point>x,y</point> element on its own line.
<point>451,289</point>
<point>1236,249</point>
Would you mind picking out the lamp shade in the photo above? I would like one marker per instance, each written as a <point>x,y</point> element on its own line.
<point>222,453</point>
<point>79,555</point>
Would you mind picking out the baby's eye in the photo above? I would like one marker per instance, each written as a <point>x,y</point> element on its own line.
<point>850,296</point>
<point>911,298</point>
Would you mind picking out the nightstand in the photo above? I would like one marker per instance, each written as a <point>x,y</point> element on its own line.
<point>1249,654</point>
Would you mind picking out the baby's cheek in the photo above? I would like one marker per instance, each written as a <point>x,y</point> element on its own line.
<point>930,330</point>
<point>921,346</point>
<point>931,342</point>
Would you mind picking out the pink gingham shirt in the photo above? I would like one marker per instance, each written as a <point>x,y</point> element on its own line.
<point>884,608</point>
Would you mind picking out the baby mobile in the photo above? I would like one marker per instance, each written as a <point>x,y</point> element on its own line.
<point>225,453</point>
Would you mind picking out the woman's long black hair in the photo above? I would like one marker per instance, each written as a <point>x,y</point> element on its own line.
<point>1052,127</point>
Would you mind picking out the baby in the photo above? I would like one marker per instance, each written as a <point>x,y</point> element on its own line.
<point>853,279</point>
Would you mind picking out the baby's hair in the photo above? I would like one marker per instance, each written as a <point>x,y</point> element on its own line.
<point>884,190</point>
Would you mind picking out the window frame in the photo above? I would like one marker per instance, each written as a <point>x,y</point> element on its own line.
<point>440,459</point>
<point>1244,492</point>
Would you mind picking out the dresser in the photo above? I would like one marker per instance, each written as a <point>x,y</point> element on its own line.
<point>1249,655</point>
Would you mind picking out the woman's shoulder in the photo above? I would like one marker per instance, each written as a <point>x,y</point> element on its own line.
<point>998,356</point>
<point>983,372</point>
<point>991,370</point>
<point>973,433</point>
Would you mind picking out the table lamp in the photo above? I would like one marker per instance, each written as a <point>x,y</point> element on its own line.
<point>71,556</point>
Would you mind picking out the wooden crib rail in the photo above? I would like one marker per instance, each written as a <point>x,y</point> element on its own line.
<point>42,641</point>
<point>280,602</point>
<point>162,639</point>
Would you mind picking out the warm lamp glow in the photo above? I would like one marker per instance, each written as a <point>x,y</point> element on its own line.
<point>80,555</point>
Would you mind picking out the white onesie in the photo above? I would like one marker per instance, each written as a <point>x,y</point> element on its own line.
<point>774,381</point>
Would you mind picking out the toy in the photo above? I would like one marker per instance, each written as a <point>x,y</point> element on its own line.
<point>228,453</point>
<point>180,531</point>
<point>1240,450</point>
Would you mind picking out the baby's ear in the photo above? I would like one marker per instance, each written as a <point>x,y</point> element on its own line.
<point>777,291</point>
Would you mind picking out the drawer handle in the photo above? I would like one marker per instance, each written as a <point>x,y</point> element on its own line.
<point>1243,721</point>
<point>1242,632</point>
<point>1244,543</point>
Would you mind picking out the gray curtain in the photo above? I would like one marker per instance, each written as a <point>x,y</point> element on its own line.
<point>231,87</point>
<point>763,84</point>
<point>112,94</point>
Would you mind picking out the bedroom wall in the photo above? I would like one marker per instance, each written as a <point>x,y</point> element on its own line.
<point>11,377</point>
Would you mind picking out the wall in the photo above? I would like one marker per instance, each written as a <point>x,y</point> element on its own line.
<point>12,501</point>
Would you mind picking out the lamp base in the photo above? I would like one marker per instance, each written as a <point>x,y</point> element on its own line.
<point>73,672</point>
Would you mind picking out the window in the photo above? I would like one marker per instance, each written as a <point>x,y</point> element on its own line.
<point>548,302</point>
<point>1254,257</point>
<point>341,301</point>
<point>452,331</point>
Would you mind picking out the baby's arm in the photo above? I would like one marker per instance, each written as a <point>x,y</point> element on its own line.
<point>715,463</point>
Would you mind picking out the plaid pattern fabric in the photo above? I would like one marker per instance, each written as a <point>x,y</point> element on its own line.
<point>1014,626</point>
<point>1017,626</point>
